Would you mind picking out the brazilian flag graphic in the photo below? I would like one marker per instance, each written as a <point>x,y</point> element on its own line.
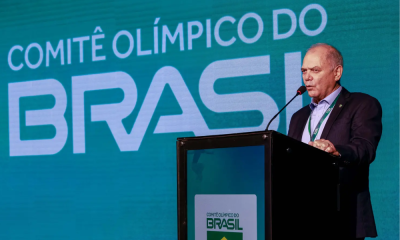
<point>212,235</point>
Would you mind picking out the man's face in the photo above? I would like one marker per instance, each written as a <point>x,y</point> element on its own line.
<point>318,75</point>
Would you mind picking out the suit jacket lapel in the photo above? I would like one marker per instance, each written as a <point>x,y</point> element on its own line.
<point>341,102</point>
<point>302,121</point>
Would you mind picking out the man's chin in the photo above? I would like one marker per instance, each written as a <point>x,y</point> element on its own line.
<point>312,95</point>
<point>312,92</point>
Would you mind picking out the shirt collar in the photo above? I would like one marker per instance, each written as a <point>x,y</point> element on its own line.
<point>329,99</point>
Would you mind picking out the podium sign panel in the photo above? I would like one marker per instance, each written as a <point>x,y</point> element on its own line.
<point>225,192</point>
<point>222,187</point>
<point>222,215</point>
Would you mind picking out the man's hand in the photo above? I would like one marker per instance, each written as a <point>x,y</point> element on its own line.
<point>325,145</point>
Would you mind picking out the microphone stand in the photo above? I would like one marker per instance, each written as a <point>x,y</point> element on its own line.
<point>297,94</point>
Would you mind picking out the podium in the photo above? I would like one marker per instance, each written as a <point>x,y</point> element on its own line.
<point>258,185</point>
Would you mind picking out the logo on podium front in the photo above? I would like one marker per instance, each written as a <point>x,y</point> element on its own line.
<point>225,217</point>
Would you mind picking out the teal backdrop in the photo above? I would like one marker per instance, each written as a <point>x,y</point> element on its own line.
<point>94,94</point>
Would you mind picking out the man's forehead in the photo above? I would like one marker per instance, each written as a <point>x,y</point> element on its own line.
<point>315,57</point>
<point>320,51</point>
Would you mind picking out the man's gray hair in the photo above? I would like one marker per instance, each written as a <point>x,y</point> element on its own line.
<point>334,56</point>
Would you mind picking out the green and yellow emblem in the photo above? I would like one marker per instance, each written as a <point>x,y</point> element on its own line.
<point>213,235</point>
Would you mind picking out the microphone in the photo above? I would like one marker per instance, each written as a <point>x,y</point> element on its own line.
<point>300,91</point>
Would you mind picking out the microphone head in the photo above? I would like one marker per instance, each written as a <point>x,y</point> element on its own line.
<point>301,90</point>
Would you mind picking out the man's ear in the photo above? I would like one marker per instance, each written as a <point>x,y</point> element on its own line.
<point>338,72</point>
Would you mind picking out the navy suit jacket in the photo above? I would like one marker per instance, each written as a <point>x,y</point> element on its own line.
<point>355,128</point>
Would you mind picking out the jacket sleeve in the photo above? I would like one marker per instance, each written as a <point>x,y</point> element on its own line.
<point>366,131</point>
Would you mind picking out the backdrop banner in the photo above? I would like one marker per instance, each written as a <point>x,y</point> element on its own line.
<point>95,93</point>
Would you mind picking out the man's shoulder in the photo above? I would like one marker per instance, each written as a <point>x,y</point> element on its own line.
<point>359,95</point>
<point>362,99</point>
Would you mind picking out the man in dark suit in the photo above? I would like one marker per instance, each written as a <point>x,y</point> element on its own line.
<point>347,125</point>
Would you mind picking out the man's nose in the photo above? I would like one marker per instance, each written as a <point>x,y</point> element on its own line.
<point>307,76</point>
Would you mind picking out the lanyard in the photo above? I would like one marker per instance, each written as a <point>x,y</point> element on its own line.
<point>315,133</point>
